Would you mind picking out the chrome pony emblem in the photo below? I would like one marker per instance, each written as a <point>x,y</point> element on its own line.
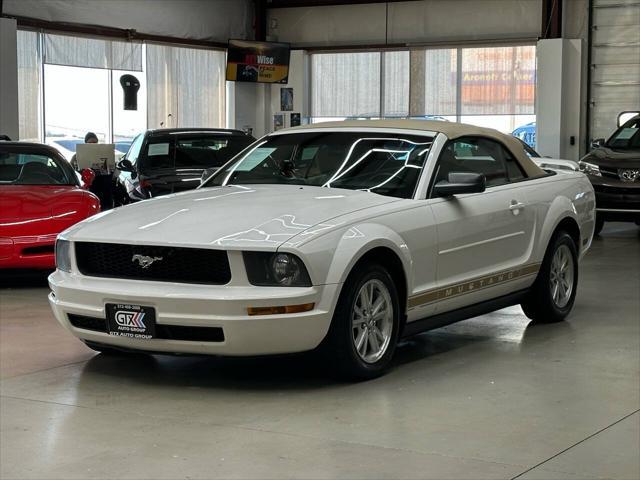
<point>629,175</point>
<point>145,261</point>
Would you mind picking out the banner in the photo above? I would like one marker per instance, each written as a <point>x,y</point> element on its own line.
<point>264,62</point>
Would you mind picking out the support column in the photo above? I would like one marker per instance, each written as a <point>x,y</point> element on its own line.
<point>558,102</point>
<point>9,120</point>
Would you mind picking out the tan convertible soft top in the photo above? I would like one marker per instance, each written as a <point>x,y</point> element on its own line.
<point>451,129</point>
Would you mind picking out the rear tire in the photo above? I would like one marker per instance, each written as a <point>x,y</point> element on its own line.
<point>552,295</point>
<point>365,326</point>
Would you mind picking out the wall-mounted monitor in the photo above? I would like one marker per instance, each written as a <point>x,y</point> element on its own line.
<point>264,62</point>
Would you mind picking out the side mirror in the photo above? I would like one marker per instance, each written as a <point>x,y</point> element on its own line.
<point>207,173</point>
<point>597,143</point>
<point>88,176</point>
<point>460,182</point>
<point>126,165</point>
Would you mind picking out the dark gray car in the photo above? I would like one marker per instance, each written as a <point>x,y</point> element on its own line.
<point>614,171</point>
<point>166,161</point>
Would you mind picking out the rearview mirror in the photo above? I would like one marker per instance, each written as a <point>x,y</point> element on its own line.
<point>597,143</point>
<point>460,182</point>
<point>88,176</point>
<point>125,165</point>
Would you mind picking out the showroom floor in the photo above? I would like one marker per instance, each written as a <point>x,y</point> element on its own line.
<point>492,397</point>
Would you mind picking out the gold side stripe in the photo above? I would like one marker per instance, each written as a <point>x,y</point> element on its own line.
<point>480,283</point>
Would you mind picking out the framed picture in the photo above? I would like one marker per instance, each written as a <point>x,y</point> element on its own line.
<point>278,121</point>
<point>286,99</point>
<point>295,119</point>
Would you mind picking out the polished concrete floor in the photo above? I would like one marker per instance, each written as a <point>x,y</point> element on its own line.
<point>492,397</point>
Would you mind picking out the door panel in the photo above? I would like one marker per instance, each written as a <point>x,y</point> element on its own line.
<point>484,239</point>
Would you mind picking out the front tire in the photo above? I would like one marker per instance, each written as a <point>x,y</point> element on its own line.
<point>552,295</point>
<point>365,326</point>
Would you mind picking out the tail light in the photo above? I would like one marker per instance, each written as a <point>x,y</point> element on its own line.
<point>144,184</point>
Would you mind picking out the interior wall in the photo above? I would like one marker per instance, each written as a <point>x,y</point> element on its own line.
<point>213,20</point>
<point>247,107</point>
<point>9,120</point>
<point>253,105</point>
<point>298,81</point>
<point>408,22</point>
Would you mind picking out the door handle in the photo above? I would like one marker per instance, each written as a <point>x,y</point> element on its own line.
<point>516,206</point>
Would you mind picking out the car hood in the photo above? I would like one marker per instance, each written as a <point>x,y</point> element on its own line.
<point>257,217</point>
<point>614,158</point>
<point>28,202</point>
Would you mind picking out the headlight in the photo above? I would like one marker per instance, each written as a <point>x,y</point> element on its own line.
<point>590,169</point>
<point>63,255</point>
<point>275,269</point>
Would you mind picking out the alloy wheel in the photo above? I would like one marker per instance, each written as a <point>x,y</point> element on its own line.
<point>372,321</point>
<point>561,278</point>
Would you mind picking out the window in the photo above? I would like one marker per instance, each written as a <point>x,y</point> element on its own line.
<point>29,81</point>
<point>32,169</point>
<point>76,102</point>
<point>395,94</point>
<point>127,123</point>
<point>197,151</point>
<point>489,86</point>
<point>345,85</point>
<point>381,163</point>
<point>434,86</point>
<point>479,155</point>
<point>210,151</point>
<point>498,86</point>
<point>627,136</point>
<point>186,87</point>
<point>77,82</point>
<point>134,150</point>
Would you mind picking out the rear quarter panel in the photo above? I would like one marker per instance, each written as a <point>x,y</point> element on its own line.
<point>556,198</point>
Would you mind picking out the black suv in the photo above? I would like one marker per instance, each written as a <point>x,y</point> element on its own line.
<point>166,161</point>
<point>614,170</point>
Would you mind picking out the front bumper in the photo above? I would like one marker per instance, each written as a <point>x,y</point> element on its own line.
<point>616,200</point>
<point>34,251</point>
<point>188,305</point>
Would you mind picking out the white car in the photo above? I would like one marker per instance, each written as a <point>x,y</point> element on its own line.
<point>343,236</point>
<point>548,163</point>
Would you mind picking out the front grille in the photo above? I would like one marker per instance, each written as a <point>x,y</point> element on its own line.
<point>165,332</point>
<point>609,172</point>
<point>171,264</point>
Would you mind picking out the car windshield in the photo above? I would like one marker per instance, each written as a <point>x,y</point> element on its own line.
<point>32,169</point>
<point>191,151</point>
<point>385,163</point>
<point>627,136</point>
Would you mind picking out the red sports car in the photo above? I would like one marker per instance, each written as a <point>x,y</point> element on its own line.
<point>40,196</point>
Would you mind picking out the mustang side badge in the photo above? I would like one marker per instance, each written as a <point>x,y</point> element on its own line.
<point>144,260</point>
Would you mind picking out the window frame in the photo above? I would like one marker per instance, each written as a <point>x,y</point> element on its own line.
<point>450,141</point>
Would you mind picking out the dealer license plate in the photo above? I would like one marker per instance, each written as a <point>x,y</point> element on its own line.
<point>134,321</point>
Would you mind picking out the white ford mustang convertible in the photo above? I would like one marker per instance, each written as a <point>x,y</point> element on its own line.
<point>343,237</point>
